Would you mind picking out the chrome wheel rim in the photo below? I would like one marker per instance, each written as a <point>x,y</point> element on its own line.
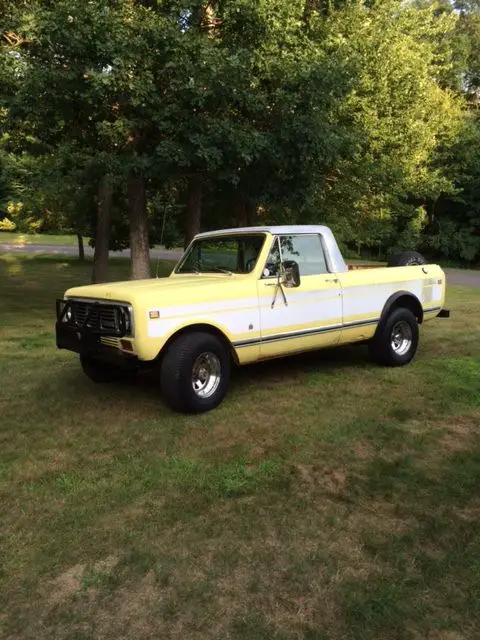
<point>401,337</point>
<point>206,375</point>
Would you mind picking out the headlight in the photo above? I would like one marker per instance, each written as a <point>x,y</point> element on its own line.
<point>68,315</point>
<point>127,317</point>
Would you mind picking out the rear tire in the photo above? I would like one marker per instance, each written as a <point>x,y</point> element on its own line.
<point>406,259</point>
<point>396,340</point>
<point>195,372</point>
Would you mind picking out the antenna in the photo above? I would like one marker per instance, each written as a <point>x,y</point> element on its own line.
<point>161,238</point>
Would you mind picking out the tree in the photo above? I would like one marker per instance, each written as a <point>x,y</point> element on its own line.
<point>453,229</point>
<point>225,112</point>
<point>398,115</point>
<point>75,68</point>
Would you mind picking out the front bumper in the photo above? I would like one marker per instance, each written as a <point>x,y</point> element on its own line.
<point>86,341</point>
<point>86,344</point>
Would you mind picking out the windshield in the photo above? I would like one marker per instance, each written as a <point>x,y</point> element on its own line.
<point>223,254</point>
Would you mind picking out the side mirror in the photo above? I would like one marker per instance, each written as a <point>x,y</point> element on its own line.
<point>291,274</point>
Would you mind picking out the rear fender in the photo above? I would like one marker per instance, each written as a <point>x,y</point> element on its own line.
<point>400,299</point>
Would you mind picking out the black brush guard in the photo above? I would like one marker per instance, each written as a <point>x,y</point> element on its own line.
<point>84,337</point>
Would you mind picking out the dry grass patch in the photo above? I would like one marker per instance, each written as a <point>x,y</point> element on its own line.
<point>460,432</point>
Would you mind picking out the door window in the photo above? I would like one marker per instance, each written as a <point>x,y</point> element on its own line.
<point>306,250</point>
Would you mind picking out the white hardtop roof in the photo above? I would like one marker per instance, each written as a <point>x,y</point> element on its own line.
<point>334,257</point>
<point>274,230</point>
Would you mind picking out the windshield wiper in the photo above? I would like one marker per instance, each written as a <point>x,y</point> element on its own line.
<point>215,268</point>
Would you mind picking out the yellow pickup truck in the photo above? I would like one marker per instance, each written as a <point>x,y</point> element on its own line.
<point>238,296</point>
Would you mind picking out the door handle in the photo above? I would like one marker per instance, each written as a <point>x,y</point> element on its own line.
<point>331,279</point>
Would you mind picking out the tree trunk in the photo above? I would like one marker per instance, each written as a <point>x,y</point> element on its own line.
<point>81,248</point>
<point>250,212</point>
<point>239,210</point>
<point>193,209</point>
<point>139,236</point>
<point>244,210</point>
<point>430,207</point>
<point>102,234</point>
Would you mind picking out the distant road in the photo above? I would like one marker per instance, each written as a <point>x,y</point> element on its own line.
<point>460,277</point>
<point>463,278</point>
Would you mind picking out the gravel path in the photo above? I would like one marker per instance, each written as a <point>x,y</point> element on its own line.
<point>454,276</point>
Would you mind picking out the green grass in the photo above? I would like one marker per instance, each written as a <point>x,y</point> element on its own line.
<point>326,498</point>
<point>7,237</point>
<point>14,238</point>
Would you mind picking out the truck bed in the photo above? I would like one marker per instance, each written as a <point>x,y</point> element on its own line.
<point>357,267</point>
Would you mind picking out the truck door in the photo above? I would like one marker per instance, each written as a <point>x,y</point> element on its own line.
<point>302,318</point>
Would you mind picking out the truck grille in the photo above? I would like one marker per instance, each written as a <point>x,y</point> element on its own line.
<point>99,317</point>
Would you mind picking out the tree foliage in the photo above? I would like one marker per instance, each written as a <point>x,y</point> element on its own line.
<point>211,113</point>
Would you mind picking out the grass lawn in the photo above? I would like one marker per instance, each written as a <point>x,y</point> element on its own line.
<point>326,499</point>
<point>38,238</point>
<point>50,240</point>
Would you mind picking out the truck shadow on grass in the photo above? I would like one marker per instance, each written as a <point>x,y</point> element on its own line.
<point>296,369</point>
<point>294,366</point>
<point>283,370</point>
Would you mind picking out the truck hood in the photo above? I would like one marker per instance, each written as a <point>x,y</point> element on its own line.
<point>135,291</point>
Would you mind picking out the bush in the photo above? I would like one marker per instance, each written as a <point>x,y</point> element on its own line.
<point>7,225</point>
<point>454,242</point>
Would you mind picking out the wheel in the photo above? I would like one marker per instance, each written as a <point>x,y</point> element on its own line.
<point>99,371</point>
<point>195,372</point>
<point>406,259</point>
<point>396,340</point>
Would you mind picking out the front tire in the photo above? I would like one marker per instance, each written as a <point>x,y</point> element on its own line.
<point>396,340</point>
<point>98,371</point>
<point>195,372</point>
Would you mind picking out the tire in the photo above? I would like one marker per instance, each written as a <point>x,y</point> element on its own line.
<point>396,340</point>
<point>195,372</point>
<point>101,372</point>
<point>406,259</point>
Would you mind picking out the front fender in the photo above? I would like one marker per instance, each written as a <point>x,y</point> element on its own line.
<point>156,334</point>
